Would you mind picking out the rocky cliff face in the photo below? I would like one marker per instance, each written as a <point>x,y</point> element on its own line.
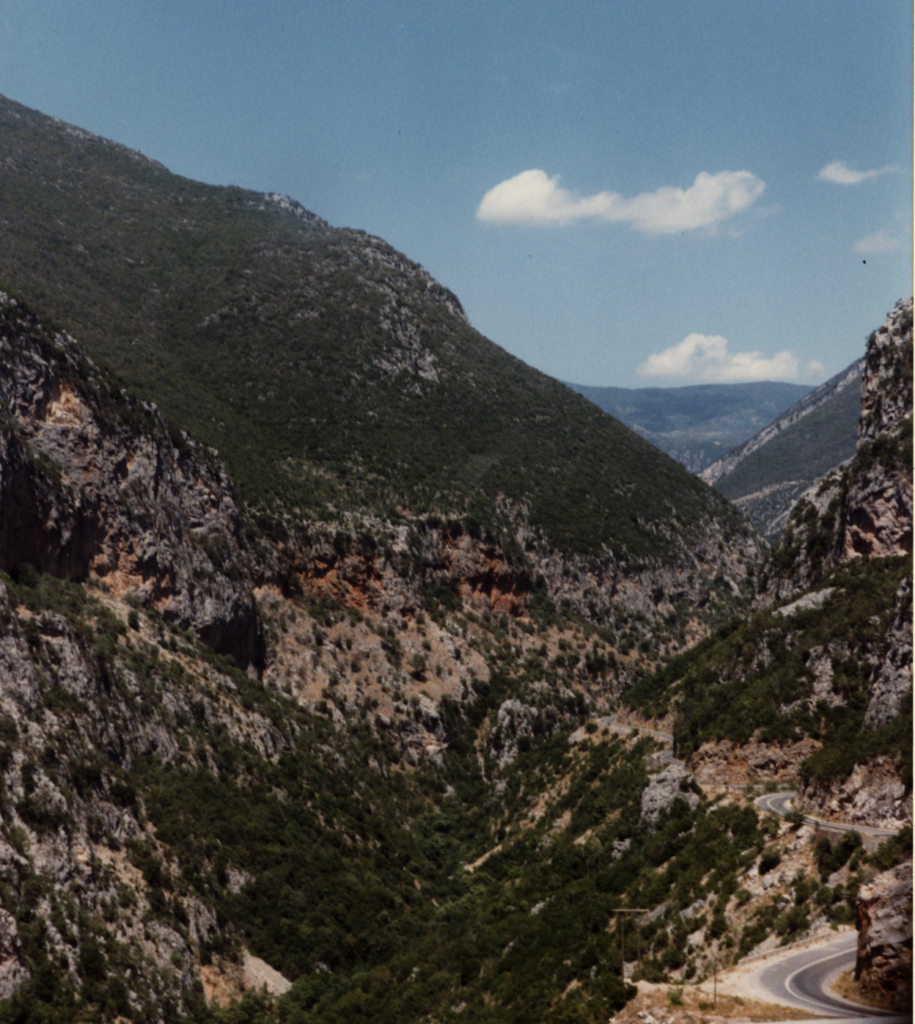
<point>886,379</point>
<point>891,681</point>
<point>664,790</point>
<point>874,794</point>
<point>836,719</point>
<point>724,763</point>
<point>65,783</point>
<point>866,508</point>
<point>877,510</point>
<point>94,485</point>
<point>381,566</point>
<point>884,968</point>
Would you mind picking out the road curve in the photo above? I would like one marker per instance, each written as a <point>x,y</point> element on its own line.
<point>781,803</point>
<point>802,980</point>
<point>778,804</point>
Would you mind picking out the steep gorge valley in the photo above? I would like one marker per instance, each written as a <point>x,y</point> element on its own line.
<point>334,640</point>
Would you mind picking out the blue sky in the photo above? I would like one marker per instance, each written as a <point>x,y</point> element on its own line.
<point>631,193</point>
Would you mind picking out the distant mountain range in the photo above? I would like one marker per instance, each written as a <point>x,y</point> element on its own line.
<point>768,473</point>
<point>696,425</point>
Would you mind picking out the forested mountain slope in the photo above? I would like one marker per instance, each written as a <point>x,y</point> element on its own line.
<point>333,374</point>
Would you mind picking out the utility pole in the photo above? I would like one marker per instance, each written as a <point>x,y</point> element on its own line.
<point>622,921</point>
<point>638,932</point>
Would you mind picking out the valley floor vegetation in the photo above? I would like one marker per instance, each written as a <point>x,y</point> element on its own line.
<point>386,889</point>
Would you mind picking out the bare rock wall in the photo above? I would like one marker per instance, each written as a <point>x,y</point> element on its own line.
<point>884,964</point>
<point>94,484</point>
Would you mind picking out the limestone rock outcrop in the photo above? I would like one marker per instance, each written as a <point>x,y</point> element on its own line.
<point>884,964</point>
<point>864,510</point>
<point>514,725</point>
<point>94,484</point>
<point>866,507</point>
<point>375,565</point>
<point>664,790</point>
<point>874,794</point>
<point>891,681</point>
<point>54,809</point>
<point>725,763</point>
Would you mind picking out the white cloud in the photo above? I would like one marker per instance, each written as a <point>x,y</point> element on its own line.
<point>841,174</point>
<point>704,359</point>
<point>877,242</point>
<point>534,198</point>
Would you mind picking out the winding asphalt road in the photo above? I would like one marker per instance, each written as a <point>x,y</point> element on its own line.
<point>781,803</point>
<point>802,980</point>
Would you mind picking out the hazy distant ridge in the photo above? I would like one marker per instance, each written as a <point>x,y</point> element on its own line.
<point>850,376</point>
<point>767,474</point>
<point>697,424</point>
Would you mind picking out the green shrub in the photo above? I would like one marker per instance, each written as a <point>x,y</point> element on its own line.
<point>769,860</point>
